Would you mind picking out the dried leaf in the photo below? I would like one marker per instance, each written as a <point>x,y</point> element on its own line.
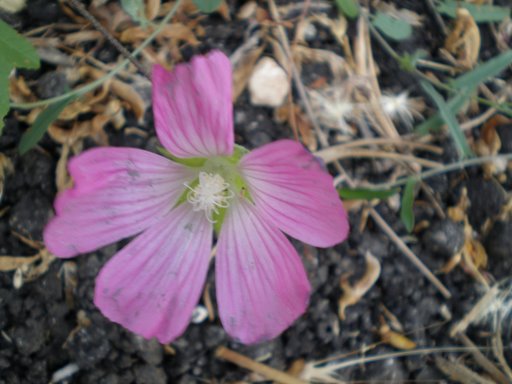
<point>11,263</point>
<point>243,69</point>
<point>352,294</point>
<point>395,339</point>
<point>62,178</point>
<point>464,39</point>
<point>82,37</point>
<point>152,8</point>
<point>70,276</point>
<point>124,91</point>
<point>294,116</point>
<point>6,167</point>
<point>247,10</point>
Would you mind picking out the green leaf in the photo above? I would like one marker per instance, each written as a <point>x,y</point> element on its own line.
<point>434,123</point>
<point>395,29</point>
<point>349,8</point>
<point>406,209</point>
<point>480,13</point>
<point>15,49</point>
<point>484,71</point>
<point>449,118</point>
<point>207,6</point>
<point>32,136</point>
<point>365,193</point>
<point>136,9</point>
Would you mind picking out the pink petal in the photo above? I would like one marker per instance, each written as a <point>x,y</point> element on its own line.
<point>193,108</point>
<point>118,193</point>
<point>261,284</point>
<point>289,187</point>
<point>153,284</point>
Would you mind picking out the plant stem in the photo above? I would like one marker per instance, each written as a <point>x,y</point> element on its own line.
<point>95,84</point>
<point>459,165</point>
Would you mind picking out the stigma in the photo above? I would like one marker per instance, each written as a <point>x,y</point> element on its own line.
<point>211,194</point>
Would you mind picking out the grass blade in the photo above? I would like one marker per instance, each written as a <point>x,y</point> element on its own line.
<point>449,118</point>
<point>484,71</point>
<point>365,193</point>
<point>395,29</point>
<point>32,136</point>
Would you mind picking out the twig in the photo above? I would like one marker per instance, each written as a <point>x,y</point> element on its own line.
<point>264,370</point>
<point>95,84</point>
<point>324,143</point>
<point>111,39</point>
<point>410,254</point>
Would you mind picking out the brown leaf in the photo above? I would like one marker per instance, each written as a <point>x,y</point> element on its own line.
<point>11,263</point>
<point>464,39</point>
<point>6,167</point>
<point>152,8</point>
<point>352,294</point>
<point>62,178</point>
<point>124,91</point>
<point>299,123</point>
<point>395,339</point>
<point>82,37</point>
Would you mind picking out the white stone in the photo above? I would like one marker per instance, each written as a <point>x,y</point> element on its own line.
<point>268,85</point>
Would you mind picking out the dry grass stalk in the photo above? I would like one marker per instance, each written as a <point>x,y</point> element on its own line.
<point>269,373</point>
<point>460,373</point>
<point>334,153</point>
<point>483,361</point>
<point>476,312</point>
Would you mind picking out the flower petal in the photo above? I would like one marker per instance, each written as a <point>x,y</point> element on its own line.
<point>153,284</point>
<point>193,108</point>
<point>289,187</point>
<point>118,193</point>
<point>261,283</point>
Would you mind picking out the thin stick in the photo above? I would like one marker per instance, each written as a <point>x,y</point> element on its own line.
<point>387,141</point>
<point>329,156</point>
<point>459,165</point>
<point>97,83</point>
<point>264,370</point>
<point>111,39</point>
<point>410,254</point>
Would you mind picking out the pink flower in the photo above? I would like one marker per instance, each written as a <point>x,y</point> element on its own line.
<point>153,284</point>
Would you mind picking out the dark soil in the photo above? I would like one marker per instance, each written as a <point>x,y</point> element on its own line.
<point>40,332</point>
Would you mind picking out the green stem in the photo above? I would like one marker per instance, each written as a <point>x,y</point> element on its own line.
<point>98,82</point>
<point>459,165</point>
